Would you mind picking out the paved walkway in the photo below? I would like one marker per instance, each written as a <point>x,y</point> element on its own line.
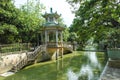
<point>6,74</point>
<point>111,71</point>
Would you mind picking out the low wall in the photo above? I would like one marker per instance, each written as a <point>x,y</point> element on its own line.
<point>8,61</point>
<point>113,53</point>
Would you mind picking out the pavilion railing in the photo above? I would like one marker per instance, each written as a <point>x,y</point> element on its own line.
<point>54,44</point>
<point>68,45</point>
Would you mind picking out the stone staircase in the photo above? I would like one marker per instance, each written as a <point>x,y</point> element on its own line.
<point>30,57</point>
<point>19,65</point>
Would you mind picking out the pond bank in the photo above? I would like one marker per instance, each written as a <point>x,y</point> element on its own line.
<point>111,71</point>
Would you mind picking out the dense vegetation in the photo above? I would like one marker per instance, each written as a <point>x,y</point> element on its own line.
<point>19,25</point>
<point>8,21</point>
<point>99,19</point>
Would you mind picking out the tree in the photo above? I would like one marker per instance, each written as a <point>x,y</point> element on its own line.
<point>20,25</point>
<point>96,18</point>
<point>66,34</point>
<point>8,15</point>
<point>31,20</point>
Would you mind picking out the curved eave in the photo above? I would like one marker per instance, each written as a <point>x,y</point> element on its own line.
<point>53,27</point>
<point>51,15</point>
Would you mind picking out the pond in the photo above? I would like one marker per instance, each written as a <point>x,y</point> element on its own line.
<point>79,65</point>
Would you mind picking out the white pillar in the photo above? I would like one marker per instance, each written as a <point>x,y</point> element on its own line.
<point>57,38</point>
<point>46,37</point>
<point>61,36</point>
<point>53,36</point>
<point>42,37</point>
<point>57,52</point>
<point>48,19</point>
<point>61,43</point>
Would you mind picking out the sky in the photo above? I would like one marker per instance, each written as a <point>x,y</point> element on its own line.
<point>61,6</point>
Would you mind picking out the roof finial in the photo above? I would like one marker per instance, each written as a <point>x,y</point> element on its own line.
<point>51,10</point>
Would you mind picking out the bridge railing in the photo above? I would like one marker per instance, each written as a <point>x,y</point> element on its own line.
<point>68,45</point>
<point>59,44</point>
<point>20,65</point>
<point>33,55</point>
<point>29,57</point>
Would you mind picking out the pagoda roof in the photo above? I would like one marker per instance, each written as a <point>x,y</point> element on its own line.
<point>52,25</point>
<point>51,14</point>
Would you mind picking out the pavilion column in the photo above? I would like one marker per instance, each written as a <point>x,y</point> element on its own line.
<point>53,36</point>
<point>42,37</point>
<point>57,38</point>
<point>46,37</point>
<point>61,37</point>
<point>57,50</point>
<point>61,43</point>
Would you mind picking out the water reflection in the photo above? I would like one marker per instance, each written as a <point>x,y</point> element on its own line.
<point>92,58</point>
<point>59,64</point>
<point>87,70</point>
<point>72,75</point>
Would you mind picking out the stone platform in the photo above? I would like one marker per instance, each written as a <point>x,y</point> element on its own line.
<point>111,70</point>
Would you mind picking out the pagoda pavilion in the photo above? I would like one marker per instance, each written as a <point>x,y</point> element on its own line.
<point>51,35</point>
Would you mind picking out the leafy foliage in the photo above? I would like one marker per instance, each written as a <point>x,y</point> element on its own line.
<point>96,18</point>
<point>20,25</point>
<point>66,34</point>
<point>8,15</point>
<point>31,20</point>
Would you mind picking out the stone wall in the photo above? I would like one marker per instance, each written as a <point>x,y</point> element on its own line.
<point>8,61</point>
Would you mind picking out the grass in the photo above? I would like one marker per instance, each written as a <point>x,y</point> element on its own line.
<point>1,78</point>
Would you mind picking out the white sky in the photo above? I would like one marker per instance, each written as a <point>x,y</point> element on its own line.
<point>61,6</point>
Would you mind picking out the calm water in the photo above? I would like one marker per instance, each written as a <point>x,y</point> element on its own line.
<point>75,66</point>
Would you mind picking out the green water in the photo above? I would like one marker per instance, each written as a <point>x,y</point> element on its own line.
<point>74,66</point>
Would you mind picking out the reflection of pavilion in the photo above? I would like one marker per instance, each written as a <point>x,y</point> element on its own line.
<point>51,34</point>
